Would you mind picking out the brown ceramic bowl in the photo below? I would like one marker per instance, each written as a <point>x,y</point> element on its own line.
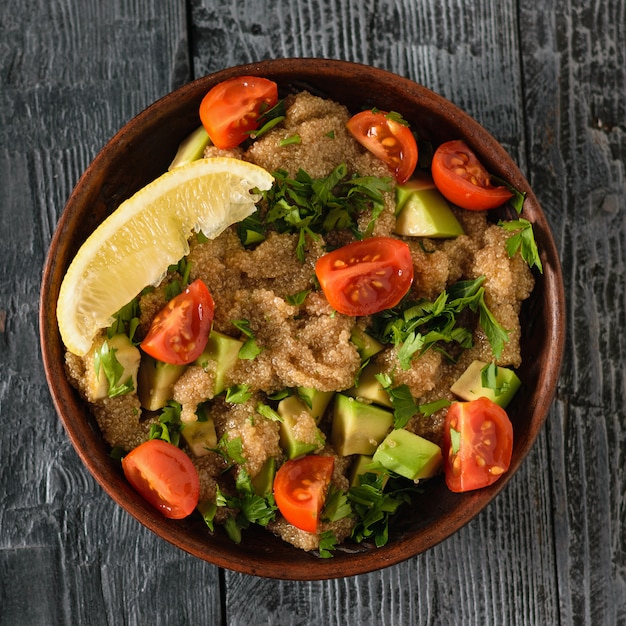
<point>140,152</point>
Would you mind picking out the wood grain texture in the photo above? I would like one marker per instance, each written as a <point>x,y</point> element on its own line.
<point>72,73</point>
<point>575,72</point>
<point>548,80</point>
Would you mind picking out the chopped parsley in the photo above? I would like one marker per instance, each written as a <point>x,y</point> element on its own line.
<point>125,321</point>
<point>106,362</point>
<point>238,394</point>
<point>168,425</point>
<point>404,404</point>
<point>522,239</point>
<point>311,206</point>
<point>292,140</point>
<point>415,327</point>
<point>250,349</point>
<point>377,497</point>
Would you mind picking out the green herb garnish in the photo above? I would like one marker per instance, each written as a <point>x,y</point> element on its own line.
<point>414,327</point>
<point>373,506</point>
<point>312,206</point>
<point>523,240</point>
<point>106,362</point>
<point>250,349</point>
<point>238,394</point>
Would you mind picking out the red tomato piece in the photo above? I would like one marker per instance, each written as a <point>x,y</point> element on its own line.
<point>391,141</point>
<point>300,488</point>
<point>179,332</point>
<point>462,179</point>
<point>165,476</point>
<point>477,444</point>
<point>232,108</point>
<point>366,276</point>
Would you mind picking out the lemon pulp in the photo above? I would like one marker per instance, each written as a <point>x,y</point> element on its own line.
<point>135,245</point>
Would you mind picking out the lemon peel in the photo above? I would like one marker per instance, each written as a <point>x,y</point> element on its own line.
<point>148,232</point>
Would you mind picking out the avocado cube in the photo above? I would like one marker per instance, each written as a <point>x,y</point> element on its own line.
<point>369,388</point>
<point>365,344</point>
<point>200,436</point>
<point>191,148</point>
<point>316,401</point>
<point>360,467</point>
<point>127,355</point>
<point>264,480</point>
<point>469,385</point>
<point>224,350</point>
<point>421,211</point>
<point>409,455</point>
<point>299,434</point>
<point>155,382</point>
<point>357,427</point>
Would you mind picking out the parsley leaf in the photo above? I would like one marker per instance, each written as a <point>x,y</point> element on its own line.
<point>328,542</point>
<point>373,507</point>
<point>238,394</point>
<point>269,119</point>
<point>288,141</point>
<point>126,320</point>
<point>313,206</point>
<point>268,412</point>
<point>168,426</point>
<point>106,362</point>
<point>415,327</point>
<point>523,240</point>
<point>298,298</point>
<point>250,349</point>
<point>336,506</point>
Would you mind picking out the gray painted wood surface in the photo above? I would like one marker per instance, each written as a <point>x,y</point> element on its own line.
<point>548,80</point>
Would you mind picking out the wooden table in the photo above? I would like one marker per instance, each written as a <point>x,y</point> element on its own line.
<point>548,79</point>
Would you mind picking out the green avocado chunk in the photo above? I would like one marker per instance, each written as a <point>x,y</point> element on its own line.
<point>127,355</point>
<point>469,385</point>
<point>316,401</point>
<point>409,455</point>
<point>224,350</point>
<point>366,345</point>
<point>357,427</point>
<point>200,436</point>
<point>421,211</point>
<point>155,382</point>
<point>360,467</point>
<point>299,434</point>
<point>264,480</point>
<point>368,387</point>
<point>191,148</point>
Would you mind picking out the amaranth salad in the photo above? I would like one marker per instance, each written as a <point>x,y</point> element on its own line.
<point>353,337</point>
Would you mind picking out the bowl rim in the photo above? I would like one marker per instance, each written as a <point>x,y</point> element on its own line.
<point>234,557</point>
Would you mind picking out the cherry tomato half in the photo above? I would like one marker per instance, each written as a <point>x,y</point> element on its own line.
<point>300,488</point>
<point>180,330</point>
<point>477,444</point>
<point>462,179</point>
<point>232,108</point>
<point>391,141</point>
<point>165,476</point>
<point>366,276</point>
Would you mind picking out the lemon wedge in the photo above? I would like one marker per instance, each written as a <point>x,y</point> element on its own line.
<point>134,246</point>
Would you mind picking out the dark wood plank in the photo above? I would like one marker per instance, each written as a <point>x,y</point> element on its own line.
<point>72,73</point>
<point>575,76</point>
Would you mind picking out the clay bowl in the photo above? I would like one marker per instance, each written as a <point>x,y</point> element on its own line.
<point>140,152</point>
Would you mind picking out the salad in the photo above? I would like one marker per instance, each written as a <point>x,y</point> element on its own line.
<point>352,337</point>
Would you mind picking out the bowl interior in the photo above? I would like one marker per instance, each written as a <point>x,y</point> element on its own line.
<point>140,152</point>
